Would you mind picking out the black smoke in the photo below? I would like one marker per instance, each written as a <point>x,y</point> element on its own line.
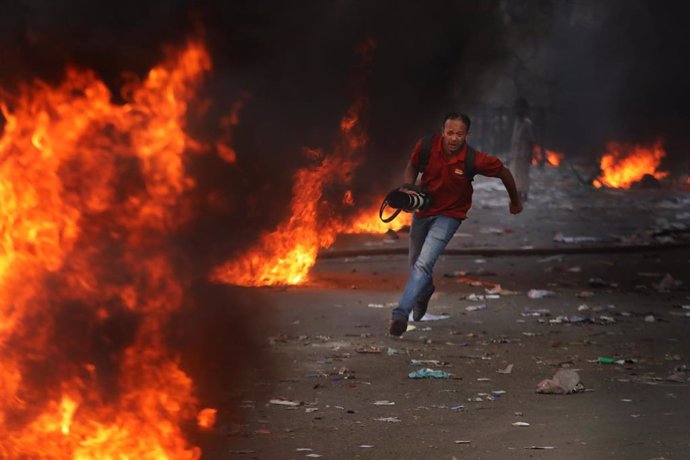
<point>602,71</point>
<point>618,74</point>
<point>297,61</point>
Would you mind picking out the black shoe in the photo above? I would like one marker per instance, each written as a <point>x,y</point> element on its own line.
<point>420,307</point>
<point>397,327</point>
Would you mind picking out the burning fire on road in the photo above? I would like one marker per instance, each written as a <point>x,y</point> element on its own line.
<point>622,164</point>
<point>285,255</point>
<point>90,192</point>
<point>550,157</point>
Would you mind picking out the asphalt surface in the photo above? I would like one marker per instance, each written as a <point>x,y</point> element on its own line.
<point>338,385</point>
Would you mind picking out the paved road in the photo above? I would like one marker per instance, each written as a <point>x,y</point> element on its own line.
<point>331,356</point>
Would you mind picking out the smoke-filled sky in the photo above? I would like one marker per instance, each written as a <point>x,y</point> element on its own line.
<point>600,71</point>
<point>619,60</point>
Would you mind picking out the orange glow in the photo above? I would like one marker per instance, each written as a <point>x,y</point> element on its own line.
<point>228,123</point>
<point>622,165</point>
<point>553,158</point>
<point>226,152</point>
<point>285,256</point>
<point>347,199</point>
<point>350,125</point>
<point>88,191</point>
<point>67,408</point>
<point>206,418</point>
<point>368,221</point>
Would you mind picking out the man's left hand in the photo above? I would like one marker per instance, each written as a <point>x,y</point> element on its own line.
<point>515,207</point>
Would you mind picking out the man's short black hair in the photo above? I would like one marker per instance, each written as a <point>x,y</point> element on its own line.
<point>458,116</point>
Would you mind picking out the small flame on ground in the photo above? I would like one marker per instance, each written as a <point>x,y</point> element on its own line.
<point>622,164</point>
<point>206,418</point>
<point>368,221</point>
<point>553,158</point>
<point>224,145</point>
<point>347,199</point>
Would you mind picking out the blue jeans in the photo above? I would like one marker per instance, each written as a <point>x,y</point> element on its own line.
<point>428,238</point>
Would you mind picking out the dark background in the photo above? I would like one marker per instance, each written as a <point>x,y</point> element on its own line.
<point>594,71</point>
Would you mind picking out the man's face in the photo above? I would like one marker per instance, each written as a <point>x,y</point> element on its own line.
<point>454,135</point>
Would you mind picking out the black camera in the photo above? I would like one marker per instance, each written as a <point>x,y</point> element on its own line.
<point>408,198</point>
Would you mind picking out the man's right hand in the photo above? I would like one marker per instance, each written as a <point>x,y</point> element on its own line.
<point>515,207</point>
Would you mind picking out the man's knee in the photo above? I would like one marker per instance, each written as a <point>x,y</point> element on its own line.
<point>423,266</point>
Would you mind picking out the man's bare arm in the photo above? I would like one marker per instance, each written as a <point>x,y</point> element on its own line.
<point>509,183</point>
<point>410,173</point>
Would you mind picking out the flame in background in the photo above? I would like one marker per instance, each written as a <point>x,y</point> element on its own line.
<point>368,221</point>
<point>285,255</point>
<point>622,164</point>
<point>89,190</point>
<point>206,418</point>
<point>553,158</point>
<point>347,198</point>
<point>228,123</point>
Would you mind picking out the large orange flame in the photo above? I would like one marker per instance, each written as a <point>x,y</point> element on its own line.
<point>88,191</point>
<point>285,256</point>
<point>622,164</point>
<point>224,144</point>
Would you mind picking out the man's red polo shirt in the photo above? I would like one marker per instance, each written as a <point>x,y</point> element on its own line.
<point>444,179</point>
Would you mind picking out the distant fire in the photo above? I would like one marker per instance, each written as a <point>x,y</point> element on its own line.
<point>622,164</point>
<point>285,255</point>
<point>347,199</point>
<point>206,418</point>
<point>227,123</point>
<point>553,158</point>
<point>89,190</point>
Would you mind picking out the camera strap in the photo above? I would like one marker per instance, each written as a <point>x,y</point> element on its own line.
<point>408,198</point>
<point>384,205</point>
